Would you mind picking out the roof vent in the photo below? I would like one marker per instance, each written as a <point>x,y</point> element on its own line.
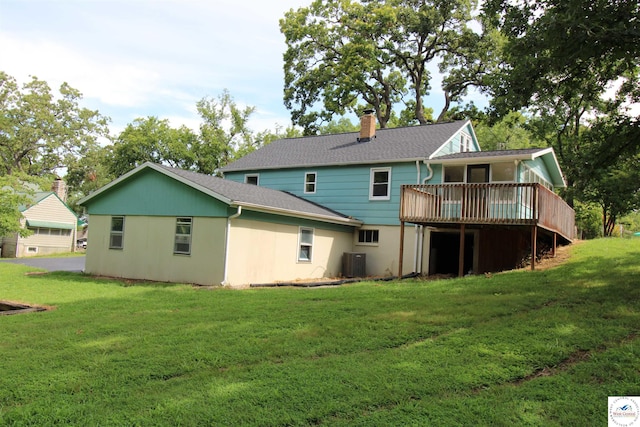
<point>367,126</point>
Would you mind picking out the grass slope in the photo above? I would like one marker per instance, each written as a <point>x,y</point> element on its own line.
<point>519,348</point>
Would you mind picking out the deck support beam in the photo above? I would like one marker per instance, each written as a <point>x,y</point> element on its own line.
<point>461,254</point>
<point>534,249</point>
<point>555,243</point>
<point>401,249</point>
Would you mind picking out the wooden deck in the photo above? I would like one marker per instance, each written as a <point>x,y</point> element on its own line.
<point>487,204</point>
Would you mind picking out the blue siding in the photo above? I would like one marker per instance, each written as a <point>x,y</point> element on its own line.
<point>344,189</point>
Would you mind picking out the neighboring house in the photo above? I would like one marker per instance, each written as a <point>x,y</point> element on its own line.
<point>165,224</point>
<point>52,223</point>
<point>497,200</point>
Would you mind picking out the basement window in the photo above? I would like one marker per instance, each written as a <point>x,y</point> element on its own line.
<point>368,237</point>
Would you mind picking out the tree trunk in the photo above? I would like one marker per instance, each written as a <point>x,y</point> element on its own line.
<point>445,109</point>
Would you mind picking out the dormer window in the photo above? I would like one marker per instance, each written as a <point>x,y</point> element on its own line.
<point>253,179</point>
<point>465,143</point>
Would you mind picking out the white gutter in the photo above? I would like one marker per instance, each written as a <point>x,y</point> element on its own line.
<point>416,248</point>
<point>298,214</point>
<point>226,244</point>
<point>419,239</point>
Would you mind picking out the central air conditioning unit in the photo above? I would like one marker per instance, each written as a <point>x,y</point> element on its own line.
<point>354,264</point>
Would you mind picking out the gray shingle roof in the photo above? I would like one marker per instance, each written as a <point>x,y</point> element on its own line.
<point>237,193</point>
<point>388,145</point>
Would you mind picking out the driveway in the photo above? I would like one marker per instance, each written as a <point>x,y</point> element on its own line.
<point>75,264</point>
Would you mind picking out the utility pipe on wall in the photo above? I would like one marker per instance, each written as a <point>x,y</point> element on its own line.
<point>226,244</point>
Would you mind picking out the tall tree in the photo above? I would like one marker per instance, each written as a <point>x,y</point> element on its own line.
<point>224,131</point>
<point>509,133</point>
<point>343,52</point>
<point>224,135</point>
<point>41,131</point>
<point>562,59</point>
<point>154,140</point>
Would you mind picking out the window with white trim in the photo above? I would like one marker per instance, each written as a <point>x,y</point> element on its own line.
<point>380,184</point>
<point>116,235</point>
<point>305,244</point>
<point>310,182</point>
<point>253,179</point>
<point>368,237</point>
<point>182,241</point>
<point>465,143</point>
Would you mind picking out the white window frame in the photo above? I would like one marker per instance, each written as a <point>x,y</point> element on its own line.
<point>373,238</point>
<point>252,175</point>
<point>185,238</point>
<point>116,233</point>
<point>302,244</point>
<point>465,142</point>
<point>314,183</point>
<point>372,183</point>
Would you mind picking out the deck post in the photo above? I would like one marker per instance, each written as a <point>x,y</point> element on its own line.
<point>461,254</point>
<point>555,243</point>
<point>534,238</point>
<point>401,249</point>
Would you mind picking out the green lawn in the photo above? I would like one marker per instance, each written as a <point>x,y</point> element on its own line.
<point>519,348</point>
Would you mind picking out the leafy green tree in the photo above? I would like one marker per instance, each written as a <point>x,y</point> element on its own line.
<point>342,52</point>
<point>342,125</point>
<point>154,140</point>
<point>223,136</point>
<point>617,191</point>
<point>509,133</point>
<point>224,132</point>
<point>87,173</point>
<point>13,194</point>
<point>561,60</point>
<point>588,219</point>
<point>40,131</point>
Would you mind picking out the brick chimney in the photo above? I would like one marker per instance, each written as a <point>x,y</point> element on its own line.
<point>60,188</point>
<point>367,126</point>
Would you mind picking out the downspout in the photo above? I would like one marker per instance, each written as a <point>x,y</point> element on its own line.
<point>428,177</point>
<point>420,249</point>
<point>226,244</point>
<point>416,227</point>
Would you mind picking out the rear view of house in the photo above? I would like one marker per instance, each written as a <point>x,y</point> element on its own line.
<point>331,205</point>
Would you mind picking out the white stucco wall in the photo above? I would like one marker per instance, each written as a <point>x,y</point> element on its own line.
<point>383,258</point>
<point>263,252</point>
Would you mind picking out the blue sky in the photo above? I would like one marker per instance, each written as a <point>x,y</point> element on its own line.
<point>138,58</point>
